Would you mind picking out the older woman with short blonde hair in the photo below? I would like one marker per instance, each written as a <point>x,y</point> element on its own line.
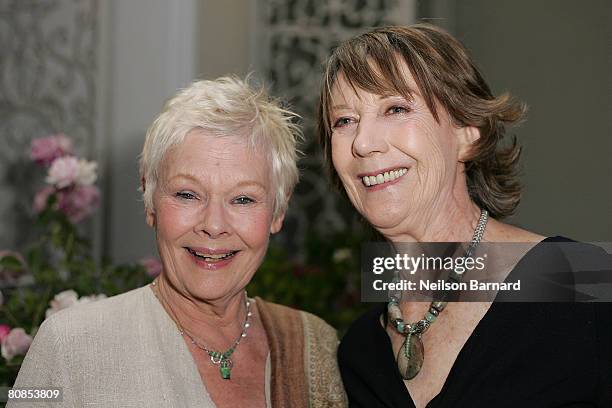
<point>218,167</point>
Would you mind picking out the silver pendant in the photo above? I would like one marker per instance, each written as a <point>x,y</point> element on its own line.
<point>410,356</point>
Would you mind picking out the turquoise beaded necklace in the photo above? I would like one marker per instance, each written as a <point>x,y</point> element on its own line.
<point>411,354</point>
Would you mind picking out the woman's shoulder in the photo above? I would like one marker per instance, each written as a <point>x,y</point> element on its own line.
<point>364,331</point>
<point>302,342</point>
<point>116,313</point>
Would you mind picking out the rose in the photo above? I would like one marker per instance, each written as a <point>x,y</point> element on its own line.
<point>92,298</point>
<point>70,298</point>
<point>5,329</point>
<point>61,301</point>
<point>86,173</point>
<point>41,198</point>
<point>16,343</point>
<point>63,171</point>
<point>79,202</point>
<point>45,150</point>
<point>68,170</point>
<point>152,265</point>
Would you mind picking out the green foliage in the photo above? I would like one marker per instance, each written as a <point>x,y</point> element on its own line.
<point>60,259</point>
<point>326,283</point>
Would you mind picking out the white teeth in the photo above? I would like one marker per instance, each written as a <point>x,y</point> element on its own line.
<point>383,177</point>
<point>212,256</point>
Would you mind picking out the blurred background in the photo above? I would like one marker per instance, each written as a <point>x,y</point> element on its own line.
<point>99,71</point>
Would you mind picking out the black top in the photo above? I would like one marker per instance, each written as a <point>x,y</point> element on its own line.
<point>519,355</point>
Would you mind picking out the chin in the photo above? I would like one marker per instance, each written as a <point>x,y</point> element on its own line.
<point>383,221</point>
<point>210,289</point>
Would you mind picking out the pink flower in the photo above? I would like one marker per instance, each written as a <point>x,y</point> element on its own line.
<point>152,265</point>
<point>91,298</point>
<point>62,301</point>
<point>41,198</point>
<point>68,298</point>
<point>68,170</point>
<point>5,329</point>
<point>86,174</point>
<point>44,150</point>
<point>16,343</point>
<point>79,203</point>
<point>63,171</point>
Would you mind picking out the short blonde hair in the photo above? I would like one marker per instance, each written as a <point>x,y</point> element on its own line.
<point>224,106</point>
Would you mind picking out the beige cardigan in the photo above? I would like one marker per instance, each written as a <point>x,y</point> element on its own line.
<point>125,351</point>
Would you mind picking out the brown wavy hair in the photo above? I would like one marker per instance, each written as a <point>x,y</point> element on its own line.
<point>446,74</point>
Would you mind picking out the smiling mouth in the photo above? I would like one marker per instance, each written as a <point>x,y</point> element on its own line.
<point>382,178</point>
<point>212,258</point>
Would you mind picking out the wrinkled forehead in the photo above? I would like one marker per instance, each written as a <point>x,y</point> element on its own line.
<point>200,146</point>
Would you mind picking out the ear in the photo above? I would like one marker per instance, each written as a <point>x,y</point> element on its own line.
<point>149,213</point>
<point>150,217</point>
<point>467,136</point>
<point>277,224</point>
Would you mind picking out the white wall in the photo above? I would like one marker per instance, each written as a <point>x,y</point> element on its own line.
<point>148,52</point>
<point>225,30</point>
<point>554,55</point>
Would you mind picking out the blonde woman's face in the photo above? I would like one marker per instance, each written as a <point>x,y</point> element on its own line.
<point>398,165</point>
<point>213,214</point>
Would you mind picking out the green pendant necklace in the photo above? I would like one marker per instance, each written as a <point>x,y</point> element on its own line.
<point>411,354</point>
<point>222,359</point>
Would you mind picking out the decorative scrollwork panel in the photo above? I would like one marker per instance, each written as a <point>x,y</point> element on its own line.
<point>294,38</point>
<point>47,85</point>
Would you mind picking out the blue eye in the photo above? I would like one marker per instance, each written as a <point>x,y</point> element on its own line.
<point>342,122</point>
<point>397,109</point>
<point>243,200</point>
<point>186,195</point>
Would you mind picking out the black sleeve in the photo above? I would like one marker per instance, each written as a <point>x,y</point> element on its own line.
<point>603,340</point>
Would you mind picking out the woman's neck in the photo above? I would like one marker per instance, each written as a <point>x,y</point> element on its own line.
<point>224,316</point>
<point>452,221</point>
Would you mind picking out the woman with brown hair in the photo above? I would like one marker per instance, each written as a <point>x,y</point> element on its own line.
<point>413,135</point>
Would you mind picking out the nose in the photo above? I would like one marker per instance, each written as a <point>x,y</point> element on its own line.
<point>213,220</point>
<point>369,138</point>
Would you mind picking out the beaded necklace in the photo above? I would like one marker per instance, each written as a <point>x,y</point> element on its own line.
<point>222,359</point>
<point>411,354</point>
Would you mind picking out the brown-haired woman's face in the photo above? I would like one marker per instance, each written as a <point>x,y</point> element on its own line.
<point>399,166</point>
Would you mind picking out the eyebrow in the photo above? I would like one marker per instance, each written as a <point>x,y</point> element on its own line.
<point>239,184</point>
<point>380,98</point>
<point>251,183</point>
<point>398,95</point>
